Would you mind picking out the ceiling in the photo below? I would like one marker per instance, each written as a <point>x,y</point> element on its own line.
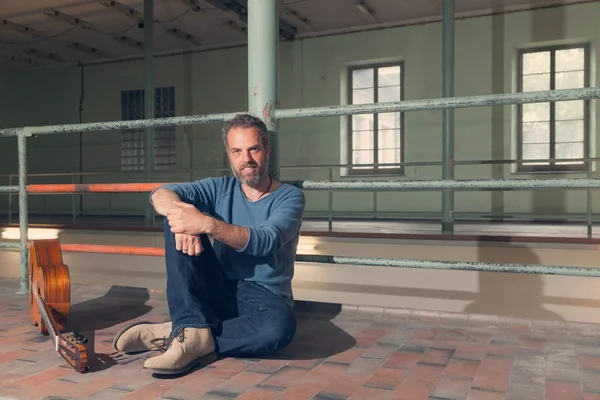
<point>36,33</point>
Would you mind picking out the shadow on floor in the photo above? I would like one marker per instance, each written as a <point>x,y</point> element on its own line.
<point>316,335</point>
<point>119,304</point>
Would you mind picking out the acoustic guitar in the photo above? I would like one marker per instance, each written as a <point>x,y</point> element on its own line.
<point>50,301</point>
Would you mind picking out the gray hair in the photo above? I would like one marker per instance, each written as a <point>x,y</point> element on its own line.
<point>246,121</point>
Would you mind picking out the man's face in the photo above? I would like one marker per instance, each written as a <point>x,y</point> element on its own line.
<point>247,155</point>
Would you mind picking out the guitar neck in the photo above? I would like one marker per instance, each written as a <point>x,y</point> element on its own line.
<point>69,352</point>
<point>44,313</point>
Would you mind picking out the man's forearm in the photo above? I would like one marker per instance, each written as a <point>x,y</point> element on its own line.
<point>162,200</point>
<point>234,236</point>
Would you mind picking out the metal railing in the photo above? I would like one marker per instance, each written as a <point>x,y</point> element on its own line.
<point>330,211</point>
<point>262,100</point>
<point>488,100</point>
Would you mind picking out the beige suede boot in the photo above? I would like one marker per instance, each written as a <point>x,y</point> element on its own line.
<point>142,336</point>
<point>189,348</point>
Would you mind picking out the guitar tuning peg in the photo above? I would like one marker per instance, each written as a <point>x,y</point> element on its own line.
<point>80,337</point>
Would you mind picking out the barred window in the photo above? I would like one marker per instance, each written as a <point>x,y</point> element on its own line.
<point>376,138</point>
<point>557,130</point>
<point>132,140</point>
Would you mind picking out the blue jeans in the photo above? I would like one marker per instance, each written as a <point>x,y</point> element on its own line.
<point>246,319</point>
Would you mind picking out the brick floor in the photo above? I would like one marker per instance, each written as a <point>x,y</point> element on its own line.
<point>347,355</point>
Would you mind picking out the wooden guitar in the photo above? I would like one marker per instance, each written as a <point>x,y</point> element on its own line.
<point>50,300</point>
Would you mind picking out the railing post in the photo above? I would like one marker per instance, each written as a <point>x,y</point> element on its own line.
<point>149,98</point>
<point>73,212</point>
<point>330,205</point>
<point>448,115</point>
<point>590,221</point>
<point>375,204</point>
<point>10,196</point>
<point>263,37</point>
<point>23,221</point>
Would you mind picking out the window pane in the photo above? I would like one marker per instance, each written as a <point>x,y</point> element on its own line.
<point>570,60</point>
<point>569,109</point>
<point>569,150</point>
<point>362,122</point>
<point>391,93</point>
<point>362,157</point>
<point>536,112</point>
<point>389,76</point>
<point>569,80</point>
<point>536,63</point>
<point>569,131</point>
<point>389,156</point>
<point>388,139</point>
<point>533,83</point>
<point>362,78</point>
<point>388,120</point>
<point>537,151</point>
<point>362,96</point>
<point>536,132</point>
<point>362,140</point>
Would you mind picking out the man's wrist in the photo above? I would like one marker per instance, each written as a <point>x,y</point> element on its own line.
<point>211,226</point>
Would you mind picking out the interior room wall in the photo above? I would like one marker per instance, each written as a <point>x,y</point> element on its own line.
<point>312,72</point>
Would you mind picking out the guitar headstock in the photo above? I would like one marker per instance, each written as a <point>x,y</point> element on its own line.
<point>71,347</point>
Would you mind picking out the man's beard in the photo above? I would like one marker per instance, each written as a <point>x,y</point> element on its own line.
<point>250,180</point>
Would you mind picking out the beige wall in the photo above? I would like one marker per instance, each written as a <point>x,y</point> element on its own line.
<point>546,297</point>
<point>311,73</point>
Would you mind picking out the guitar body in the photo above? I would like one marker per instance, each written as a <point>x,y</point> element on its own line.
<point>50,277</point>
<point>50,301</point>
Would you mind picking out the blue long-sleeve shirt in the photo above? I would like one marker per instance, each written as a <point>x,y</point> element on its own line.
<point>274,228</point>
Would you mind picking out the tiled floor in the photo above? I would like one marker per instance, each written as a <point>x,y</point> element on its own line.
<point>359,356</point>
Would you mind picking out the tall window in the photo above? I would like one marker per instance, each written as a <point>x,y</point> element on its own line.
<point>376,138</point>
<point>556,130</point>
<point>132,142</point>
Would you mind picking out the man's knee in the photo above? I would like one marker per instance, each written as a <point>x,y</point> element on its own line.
<point>279,332</point>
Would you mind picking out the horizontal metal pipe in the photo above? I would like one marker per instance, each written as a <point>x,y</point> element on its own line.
<point>409,105</point>
<point>443,103</point>
<point>468,184</point>
<point>379,185</point>
<point>106,249</point>
<point>94,188</point>
<point>362,261</point>
<point>455,265</point>
<point>101,249</point>
<point>525,161</point>
<point>291,167</point>
<point>117,125</point>
<point>375,262</point>
<point>9,189</point>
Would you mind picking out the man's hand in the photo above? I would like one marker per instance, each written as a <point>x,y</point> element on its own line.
<point>188,244</point>
<point>187,219</point>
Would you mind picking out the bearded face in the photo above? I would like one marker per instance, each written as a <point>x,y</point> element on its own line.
<point>250,173</point>
<point>248,157</point>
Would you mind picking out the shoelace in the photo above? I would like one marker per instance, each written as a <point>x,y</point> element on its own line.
<point>165,342</point>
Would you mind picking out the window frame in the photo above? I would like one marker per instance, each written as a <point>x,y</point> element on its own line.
<point>375,170</point>
<point>159,93</point>
<point>551,166</point>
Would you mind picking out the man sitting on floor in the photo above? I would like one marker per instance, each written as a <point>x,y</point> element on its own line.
<point>233,298</point>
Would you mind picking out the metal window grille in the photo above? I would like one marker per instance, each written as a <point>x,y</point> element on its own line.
<point>132,142</point>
